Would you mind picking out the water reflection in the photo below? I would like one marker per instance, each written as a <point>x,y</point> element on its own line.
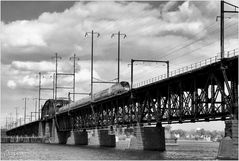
<point>184,150</point>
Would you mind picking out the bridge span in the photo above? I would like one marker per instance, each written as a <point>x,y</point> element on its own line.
<point>208,93</point>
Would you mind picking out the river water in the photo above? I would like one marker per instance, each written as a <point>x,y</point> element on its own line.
<point>186,150</point>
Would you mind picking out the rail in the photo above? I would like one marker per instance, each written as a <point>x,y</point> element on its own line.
<point>228,54</point>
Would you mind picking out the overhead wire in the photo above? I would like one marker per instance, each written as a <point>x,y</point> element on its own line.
<point>140,16</point>
<point>209,27</point>
<point>197,49</point>
<point>226,26</point>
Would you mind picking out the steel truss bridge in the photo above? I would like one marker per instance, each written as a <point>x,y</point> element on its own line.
<point>207,93</point>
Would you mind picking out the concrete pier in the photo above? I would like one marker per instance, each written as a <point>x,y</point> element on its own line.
<point>40,131</point>
<point>81,137</point>
<point>51,135</point>
<point>62,137</point>
<point>148,138</point>
<point>228,148</point>
<point>107,139</point>
<point>94,137</point>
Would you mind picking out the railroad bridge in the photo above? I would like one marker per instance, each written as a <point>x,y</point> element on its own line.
<point>207,93</point>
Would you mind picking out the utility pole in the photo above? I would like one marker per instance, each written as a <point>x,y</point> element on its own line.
<point>20,121</point>
<point>119,34</point>
<point>138,60</point>
<point>74,73</point>
<point>16,115</point>
<point>39,95</point>
<point>58,74</point>
<point>53,85</point>
<point>10,120</point>
<point>222,30</point>
<point>222,24</point>
<point>35,102</point>
<point>36,109</point>
<point>56,57</point>
<point>91,79</point>
<point>25,109</point>
<point>32,115</point>
<point>6,123</point>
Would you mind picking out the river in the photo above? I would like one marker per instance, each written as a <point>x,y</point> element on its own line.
<point>184,150</point>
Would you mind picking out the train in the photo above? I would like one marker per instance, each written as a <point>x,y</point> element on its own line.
<point>63,105</point>
<point>114,90</point>
<point>48,110</point>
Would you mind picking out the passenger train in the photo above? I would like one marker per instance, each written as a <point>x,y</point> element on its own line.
<point>48,110</point>
<point>65,105</point>
<point>115,89</point>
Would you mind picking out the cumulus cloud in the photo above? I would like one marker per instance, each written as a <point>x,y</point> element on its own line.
<point>11,84</point>
<point>171,6</point>
<point>42,66</point>
<point>152,33</point>
<point>27,80</point>
<point>24,34</point>
<point>64,32</point>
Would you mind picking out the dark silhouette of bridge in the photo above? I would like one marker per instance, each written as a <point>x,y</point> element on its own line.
<point>201,92</point>
<point>197,95</point>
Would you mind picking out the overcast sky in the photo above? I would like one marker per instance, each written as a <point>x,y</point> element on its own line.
<point>31,32</point>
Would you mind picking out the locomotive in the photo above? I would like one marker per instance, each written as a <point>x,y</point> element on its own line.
<point>114,90</point>
<point>48,110</point>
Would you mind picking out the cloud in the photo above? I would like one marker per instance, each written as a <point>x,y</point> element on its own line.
<point>64,32</point>
<point>42,66</point>
<point>11,84</point>
<point>171,6</point>
<point>27,80</point>
<point>24,33</point>
<point>153,32</point>
<point>150,30</point>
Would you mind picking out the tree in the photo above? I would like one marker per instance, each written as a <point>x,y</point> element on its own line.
<point>168,127</point>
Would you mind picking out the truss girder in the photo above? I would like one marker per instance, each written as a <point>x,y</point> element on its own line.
<point>206,94</point>
<point>180,101</point>
<point>196,96</point>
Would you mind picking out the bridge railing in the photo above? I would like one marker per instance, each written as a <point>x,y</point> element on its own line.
<point>228,54</point>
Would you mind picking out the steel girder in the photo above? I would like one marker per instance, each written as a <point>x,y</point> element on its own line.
<point>205,94</point>
<point>30,129</point>
<point>200,95</point>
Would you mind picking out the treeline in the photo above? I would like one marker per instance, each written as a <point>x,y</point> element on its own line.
<point>201,133</point>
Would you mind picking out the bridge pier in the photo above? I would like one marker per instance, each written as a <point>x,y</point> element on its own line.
<point>47,130</point>
<point>94,137</point>
<point>228,148</point>
<point>40,131</point>
<point>50,133</point>
<point>59,137</point>
<point>81,137</point>
<point>62,136</point>
<point>107,139</point>
<point>148,138</point>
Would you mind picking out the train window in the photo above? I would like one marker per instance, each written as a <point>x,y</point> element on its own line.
<point>59,104</point>
<point>125,84</point>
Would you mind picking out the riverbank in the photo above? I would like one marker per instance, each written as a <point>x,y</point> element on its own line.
<point>22,140</point>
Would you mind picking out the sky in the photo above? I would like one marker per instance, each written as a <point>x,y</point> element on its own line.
<point>183,32</point>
